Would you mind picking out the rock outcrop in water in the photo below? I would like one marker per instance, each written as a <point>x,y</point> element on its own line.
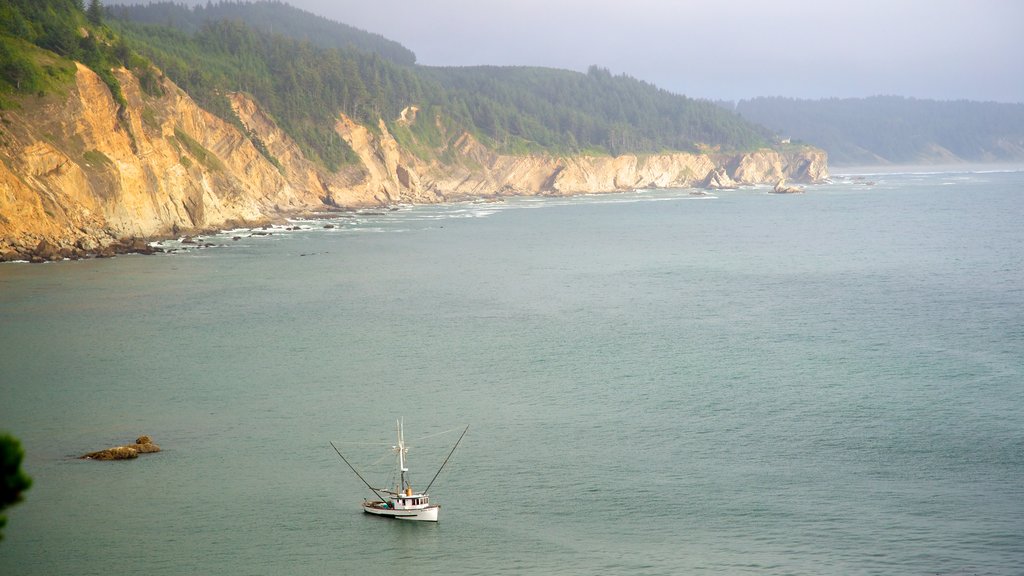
<point>782,188</point>
<point>81,176</point>
<point>142,445</point>
<point>719,179</point>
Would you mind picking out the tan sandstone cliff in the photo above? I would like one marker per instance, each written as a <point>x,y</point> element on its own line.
<point>79,176</point>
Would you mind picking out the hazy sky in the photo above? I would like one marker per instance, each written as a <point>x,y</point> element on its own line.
<point>727,49</point>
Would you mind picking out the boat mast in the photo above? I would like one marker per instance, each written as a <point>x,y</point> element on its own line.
<point>401,456</point>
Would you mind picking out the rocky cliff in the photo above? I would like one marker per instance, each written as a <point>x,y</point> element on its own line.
<point>82,176</point>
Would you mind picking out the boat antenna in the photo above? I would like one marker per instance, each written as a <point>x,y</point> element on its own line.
<point>446,460</point>
<point>372,489</point>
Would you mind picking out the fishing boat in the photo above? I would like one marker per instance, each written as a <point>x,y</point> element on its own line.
<point>402,502</point>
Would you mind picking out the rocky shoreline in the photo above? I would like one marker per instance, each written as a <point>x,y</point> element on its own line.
<point>47,251</point>
<point>106,245</point>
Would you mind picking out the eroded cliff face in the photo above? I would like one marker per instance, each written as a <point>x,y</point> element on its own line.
<point>394,175</point>
<point>79,176</point>
<point>82,176</point>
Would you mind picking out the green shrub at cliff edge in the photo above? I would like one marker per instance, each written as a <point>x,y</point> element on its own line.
<point>26,69</point>
<point>59,27</point>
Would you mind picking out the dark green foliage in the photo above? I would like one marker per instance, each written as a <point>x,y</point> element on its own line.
<point>121,52</point>
<point>51,24</point>
<point>26,69</point>
<point>895,129</point>
<point>17,69</point>
<point>99,58</point>
<point>57,25</point>
<point>271,17</point>
<point>519,110</point>
<point>149,81</point>
<point>304,87</point>
<point>14,22</point>
<point>262,148</point>
<point>571,112</point>
<point>428,134</point>
<point>13,481</point>
<point>305,71</point>
<point>198,151</point>
<point>94,13</point>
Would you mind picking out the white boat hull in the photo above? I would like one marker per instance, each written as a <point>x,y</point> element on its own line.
<point>424,514</point>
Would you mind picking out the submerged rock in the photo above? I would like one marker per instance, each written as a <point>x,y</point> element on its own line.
<point>115,453</point>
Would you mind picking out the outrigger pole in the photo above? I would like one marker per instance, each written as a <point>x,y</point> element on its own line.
<point>445,460</point>
<point>372,489</point>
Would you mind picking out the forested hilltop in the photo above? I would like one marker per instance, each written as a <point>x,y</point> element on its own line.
<point>896,130</point>
<point>271,17</point>
<point>305,69</point>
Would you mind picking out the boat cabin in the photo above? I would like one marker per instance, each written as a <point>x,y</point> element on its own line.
<point>414,501</point>
<point>406,499</point>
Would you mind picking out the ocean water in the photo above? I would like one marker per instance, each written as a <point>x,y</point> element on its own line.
<point>655,383</point>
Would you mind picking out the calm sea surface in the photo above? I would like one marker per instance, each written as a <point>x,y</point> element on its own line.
<point>655,383</point>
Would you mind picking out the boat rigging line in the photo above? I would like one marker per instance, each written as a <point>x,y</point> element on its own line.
<point>445,460</point>
<point>372,489</point>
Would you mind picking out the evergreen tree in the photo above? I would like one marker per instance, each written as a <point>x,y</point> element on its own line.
<point>95,12</point>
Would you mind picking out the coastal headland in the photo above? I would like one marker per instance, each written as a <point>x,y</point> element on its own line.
<point>84,176</point>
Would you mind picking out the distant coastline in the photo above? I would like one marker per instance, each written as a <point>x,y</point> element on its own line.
<point>896,130</point>
<point>951,168</point>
